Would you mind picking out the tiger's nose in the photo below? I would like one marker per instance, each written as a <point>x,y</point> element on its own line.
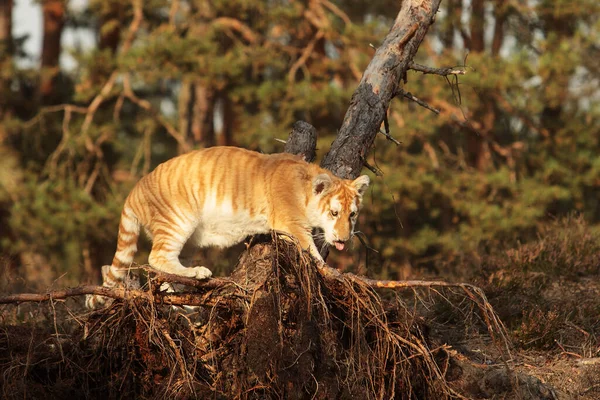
<point>343,238</point>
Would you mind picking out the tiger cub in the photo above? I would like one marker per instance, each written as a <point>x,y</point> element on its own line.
<point>219,196</point>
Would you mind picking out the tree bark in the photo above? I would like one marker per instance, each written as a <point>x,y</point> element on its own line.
<point>378,86</point>
<point>478,141</point>
<point>5,28</point>
<point>54,20</point>
<point>302,141</point>
<point>6,50</point>
<point>477,23</point>
<point>500,15</point>
<point>202,118</point>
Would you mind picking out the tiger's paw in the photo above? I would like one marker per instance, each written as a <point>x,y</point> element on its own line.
<point>201,273</point>
<point>94,301</point>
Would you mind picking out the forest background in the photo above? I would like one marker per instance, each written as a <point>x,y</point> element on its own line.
<point>513,151</point>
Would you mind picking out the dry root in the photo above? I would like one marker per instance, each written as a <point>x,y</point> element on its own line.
<point>279,328</point>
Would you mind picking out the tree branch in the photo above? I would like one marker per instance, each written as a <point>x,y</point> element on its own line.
<point>420,102</point>
<point>175,299</point>
<point>437,71</point>
<point>196,299</point>
<point>378,86</point>
<point>302,141</point>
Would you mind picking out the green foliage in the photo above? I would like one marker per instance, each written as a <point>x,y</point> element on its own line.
<point>516,142</point>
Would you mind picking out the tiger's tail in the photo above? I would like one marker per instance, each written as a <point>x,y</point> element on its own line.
<point>129,232</point>
<point>116,274</point>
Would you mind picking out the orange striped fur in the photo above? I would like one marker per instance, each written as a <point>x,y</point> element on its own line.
<point>220,195</point>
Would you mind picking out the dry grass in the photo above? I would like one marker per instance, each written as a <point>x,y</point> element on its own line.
<point>547,290</point>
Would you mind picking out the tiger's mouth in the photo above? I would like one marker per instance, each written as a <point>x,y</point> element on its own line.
<point>338,244</point>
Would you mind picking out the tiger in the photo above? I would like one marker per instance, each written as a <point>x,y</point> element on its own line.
<point>218,196</point>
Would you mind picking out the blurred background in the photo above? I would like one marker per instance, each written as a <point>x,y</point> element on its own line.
<point>94,94</point>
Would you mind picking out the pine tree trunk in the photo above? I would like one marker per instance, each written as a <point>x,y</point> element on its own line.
<point>6,49</point>
<point>378,87</point>
<point>225,135</point>
<point>202,118</point>
<point>54,20</point>
<point>5,28</point>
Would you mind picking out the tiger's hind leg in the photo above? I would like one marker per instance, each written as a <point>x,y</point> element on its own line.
<point>164,257</point>
<point>117,274</point>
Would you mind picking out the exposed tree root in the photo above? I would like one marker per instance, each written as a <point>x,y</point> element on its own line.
<point>279,327</point>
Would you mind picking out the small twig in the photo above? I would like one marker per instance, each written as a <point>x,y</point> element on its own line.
<point>373,169</point>
<point>437,71</point>
<point>420,102</point>
<point>363,240</point>
<point>565,351</point>
<point>386,123</point>
<point>390,138</point>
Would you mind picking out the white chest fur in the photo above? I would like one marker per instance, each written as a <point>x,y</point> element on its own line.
<point>221,226</point>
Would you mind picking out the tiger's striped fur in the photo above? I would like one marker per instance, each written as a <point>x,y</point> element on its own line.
<point>219,196</point>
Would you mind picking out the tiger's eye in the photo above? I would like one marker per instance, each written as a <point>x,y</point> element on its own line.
<point>334,213</point>
<point>352,214</point>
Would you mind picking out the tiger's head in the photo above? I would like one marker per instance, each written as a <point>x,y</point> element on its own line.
<point>337,203</point>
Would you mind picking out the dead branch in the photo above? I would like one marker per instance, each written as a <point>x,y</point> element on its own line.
<point>302,141</point>
<point>390,137</point>
<point>175,299</point>
<point>420,102</point>
<point>333,274</point>
<point>210,284</point>
<point>437,71</point>
<point>377,87</point>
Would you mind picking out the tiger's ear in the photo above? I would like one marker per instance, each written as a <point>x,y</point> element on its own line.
<point>321,183</point>
<point>361,184</point>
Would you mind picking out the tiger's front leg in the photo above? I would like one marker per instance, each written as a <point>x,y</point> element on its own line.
<point>305,239</point>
